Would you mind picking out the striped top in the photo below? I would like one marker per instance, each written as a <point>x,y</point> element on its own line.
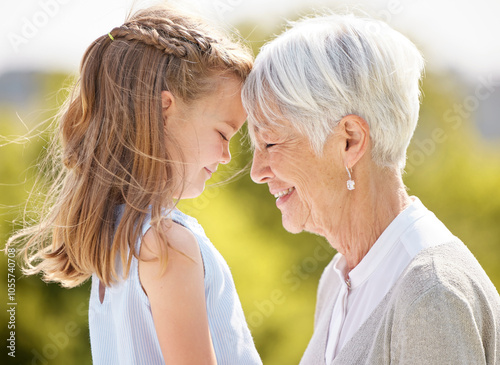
<point>122,329</point>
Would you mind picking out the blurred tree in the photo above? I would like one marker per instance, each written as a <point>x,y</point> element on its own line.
<point>50,322</point>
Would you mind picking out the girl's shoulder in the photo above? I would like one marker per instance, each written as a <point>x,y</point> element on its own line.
<point>172,236</point>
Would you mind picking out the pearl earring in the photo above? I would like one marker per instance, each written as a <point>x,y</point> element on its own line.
<point>350,182</point>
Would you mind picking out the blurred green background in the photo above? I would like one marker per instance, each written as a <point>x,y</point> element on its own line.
<point>453,167</point>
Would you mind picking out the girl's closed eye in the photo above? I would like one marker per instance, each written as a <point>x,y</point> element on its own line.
<point>223,136</point>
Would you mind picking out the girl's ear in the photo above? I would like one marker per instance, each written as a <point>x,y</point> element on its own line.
<point>166,99</point>
<point>167,105</point>
<point>356,133</point>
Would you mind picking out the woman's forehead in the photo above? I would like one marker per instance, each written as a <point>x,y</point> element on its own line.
<point>279,129</point>
<point>264,129</point>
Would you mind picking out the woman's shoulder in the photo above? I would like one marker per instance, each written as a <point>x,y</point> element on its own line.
<point>443,309</point>
<point>448,269</point>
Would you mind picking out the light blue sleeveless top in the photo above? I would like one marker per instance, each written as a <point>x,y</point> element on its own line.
<point>122,329</point>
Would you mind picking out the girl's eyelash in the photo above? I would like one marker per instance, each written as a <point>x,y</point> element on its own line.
<point>223,136</point>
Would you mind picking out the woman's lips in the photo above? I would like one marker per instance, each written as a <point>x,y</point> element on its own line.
<point>284,195</point>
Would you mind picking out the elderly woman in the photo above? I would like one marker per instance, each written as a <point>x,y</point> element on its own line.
<point>332,104</point>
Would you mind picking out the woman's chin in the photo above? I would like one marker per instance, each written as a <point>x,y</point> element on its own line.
<point>289,225</point>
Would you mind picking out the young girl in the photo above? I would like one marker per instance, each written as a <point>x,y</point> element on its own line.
<point>149,122</point>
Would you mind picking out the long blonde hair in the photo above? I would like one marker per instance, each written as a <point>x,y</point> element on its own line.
<point>113,145</point>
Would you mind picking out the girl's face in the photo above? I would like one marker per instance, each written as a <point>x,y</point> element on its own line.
<point>202,130</point>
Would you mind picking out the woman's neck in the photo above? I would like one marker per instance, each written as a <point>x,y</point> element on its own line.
<point>378,199</point>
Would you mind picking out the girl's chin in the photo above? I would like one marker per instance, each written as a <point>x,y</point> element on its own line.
<point>189,193</point>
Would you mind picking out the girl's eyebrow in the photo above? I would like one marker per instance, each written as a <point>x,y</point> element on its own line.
<point>232,125</point>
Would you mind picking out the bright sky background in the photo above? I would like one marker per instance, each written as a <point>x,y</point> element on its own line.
<point>461,35</point>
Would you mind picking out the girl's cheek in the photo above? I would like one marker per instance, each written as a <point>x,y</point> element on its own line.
<point>212,151</point>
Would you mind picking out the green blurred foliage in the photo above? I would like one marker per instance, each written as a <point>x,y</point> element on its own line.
<point>450,168</point>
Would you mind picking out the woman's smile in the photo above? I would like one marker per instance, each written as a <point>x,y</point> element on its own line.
<point>283,196</point>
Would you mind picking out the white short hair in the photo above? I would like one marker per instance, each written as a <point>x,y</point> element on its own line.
<point>327,67</point>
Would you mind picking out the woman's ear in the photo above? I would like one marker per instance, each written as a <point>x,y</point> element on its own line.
<point>356,133</point>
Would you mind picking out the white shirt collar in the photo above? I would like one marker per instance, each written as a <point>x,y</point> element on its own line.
<point>384,244</point>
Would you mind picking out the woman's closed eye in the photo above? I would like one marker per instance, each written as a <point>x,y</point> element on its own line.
<point>269,145</point>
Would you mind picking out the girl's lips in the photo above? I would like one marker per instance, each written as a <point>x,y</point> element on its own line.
<point>209,172</point>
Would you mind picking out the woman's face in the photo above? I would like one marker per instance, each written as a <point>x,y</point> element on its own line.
<point>202,130</point>
<point>303,183</point>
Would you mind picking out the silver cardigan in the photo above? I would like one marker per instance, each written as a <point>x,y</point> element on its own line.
<point>442,310</point>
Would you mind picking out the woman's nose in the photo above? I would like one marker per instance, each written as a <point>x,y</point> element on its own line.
<point>261,171</point>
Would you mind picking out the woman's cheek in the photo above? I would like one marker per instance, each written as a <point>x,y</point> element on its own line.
<point>281,163</point>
